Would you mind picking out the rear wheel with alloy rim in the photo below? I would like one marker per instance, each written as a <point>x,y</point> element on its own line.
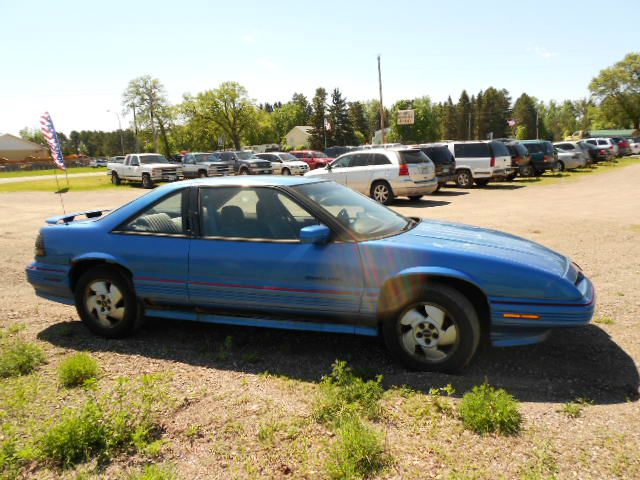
<point>106,302</point>
<point>437,330</point>
<point>381,192</point>
<point>464,179</point>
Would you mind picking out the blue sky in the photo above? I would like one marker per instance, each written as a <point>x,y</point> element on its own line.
<point>75,58</point>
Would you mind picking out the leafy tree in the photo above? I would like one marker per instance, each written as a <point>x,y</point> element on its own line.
<point>342,131</point>
<point>524,114</point>
<point>426,127</point>
<point>559,120</point>
<point>618,90</point>
<point>492,113</point>
<point>33,135</point>
<point>287,116</point>
<point>146,97</point>
<point>228,107</point>
<point>360,122</point>
<point>317,138</point>
<point>304,107</point>
<point>262,130</point>
<point>372,110</point>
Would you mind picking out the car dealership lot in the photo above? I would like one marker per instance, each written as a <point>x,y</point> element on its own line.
<point>595,220</point>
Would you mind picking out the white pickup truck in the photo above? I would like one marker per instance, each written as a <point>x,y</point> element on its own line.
<point>145,168</point>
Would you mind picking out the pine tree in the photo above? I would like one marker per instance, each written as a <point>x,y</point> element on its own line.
<point>450,121</point>
<point>342,131</point>
<point>317,139</point>
<point>463,110</point>
<point>304,106</point>
<point>524,113</point>
<point>359,119</point>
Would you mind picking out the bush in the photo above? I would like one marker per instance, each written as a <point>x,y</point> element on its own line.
<point>18,357</point>
<point>486,410</point>
<point>342,393</point>
<point>358,451</point>
<point>77,369</point>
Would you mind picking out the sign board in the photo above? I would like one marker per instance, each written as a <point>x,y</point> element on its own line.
<point>406,117</point>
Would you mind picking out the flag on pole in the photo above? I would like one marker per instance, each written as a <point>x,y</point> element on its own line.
<point>327,125</point>
<point>49,132</point>
<point>511,122</point>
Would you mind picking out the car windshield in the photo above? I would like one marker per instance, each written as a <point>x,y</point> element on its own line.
<point>364,217</point>
<point>146,159</point>
<point>206,157</point>
<point>287,157</point>
<point>246,156</point>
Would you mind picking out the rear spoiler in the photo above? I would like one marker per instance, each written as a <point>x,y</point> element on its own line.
<point>71,216</point>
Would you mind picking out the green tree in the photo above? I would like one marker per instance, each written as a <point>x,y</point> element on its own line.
<point>426,126</point>
<point>287,116</point>
<point>360,122</point>
<point>342,131</point>
<point>464,129</point>
<point>261,131</point>
<point>228,107</point>
<point>33,135</point>
<point>317,138</point>
<point>450,121</point>
<point>492,113</point>
<point>524,114</point>
<point>618,90</point>
<point>372,111</point>
<point>304,108</point>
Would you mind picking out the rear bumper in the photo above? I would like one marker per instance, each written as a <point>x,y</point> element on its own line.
<point>409,188</point>
<point>50,282</point>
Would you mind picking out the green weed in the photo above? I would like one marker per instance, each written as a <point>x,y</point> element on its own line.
<point>18,357</point>
<point>77,369</point>
<point>486,410</point>
<point>574,409</point>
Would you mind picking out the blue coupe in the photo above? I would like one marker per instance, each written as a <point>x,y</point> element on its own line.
<point>298,253</point>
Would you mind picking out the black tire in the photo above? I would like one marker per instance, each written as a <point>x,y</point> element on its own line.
<point>482,182</point>
<point>459,312</point>
<point>527,171</point>
<point>464,179</point>
<point>202,174</point>
<point>146,181</point>
<point>285,171</point>
<point>415,198</point>
<point>115,179</point>
<point>440,185</point>
<point>561,166</point>
<point>381,192</point>
<point>244,171</point>
<point>512,176</point>
<point>111,327</point>
<point>538,173</point>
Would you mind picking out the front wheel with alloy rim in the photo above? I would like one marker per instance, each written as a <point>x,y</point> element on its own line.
<point>464,179</point>
<point>437,330</point>
<point>146,181</point>
<point>381,192</point>
<point>106,303</point>
<point>202,174</point>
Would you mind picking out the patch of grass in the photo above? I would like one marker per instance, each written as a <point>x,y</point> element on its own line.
<point>420,406</point>
<point>78,369</point>
<point>357,453</point>
<point>542,464</point>
<point>18,357</point>
<point>38,173</point>
<point>76,184</point>
<point>574,409</point>
<point>605,320</point>
<point>193,431</point>
<point>342,393</point>
<point>487,410</point>
<point>267,432</point>
<point>154,472</point>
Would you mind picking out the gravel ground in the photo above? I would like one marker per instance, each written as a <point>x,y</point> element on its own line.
<point>595,220</point>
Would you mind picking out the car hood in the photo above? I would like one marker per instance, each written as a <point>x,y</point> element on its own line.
<point>159,165</point>
<point>477,241</point>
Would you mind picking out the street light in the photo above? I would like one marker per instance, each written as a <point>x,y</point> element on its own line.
<point>119,128</point>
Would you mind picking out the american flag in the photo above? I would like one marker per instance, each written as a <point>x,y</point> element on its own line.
<point>511,122</point>
<point>49,132</point>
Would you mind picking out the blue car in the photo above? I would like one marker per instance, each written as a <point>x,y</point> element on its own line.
<point>305,254</point>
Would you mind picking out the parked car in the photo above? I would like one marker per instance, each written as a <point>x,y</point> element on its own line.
<point>245,163</point>
<point>606,144</point>
<point>284,163</point>
<point>578,148</point>
<point>443,160</point>
<point>383,174</point>
<point>480,161</point>
<point>145,168</point>
<point>520,159</point>
<point>543,157</point>
<point>623,146</point>
<point>202,164</point>
<point>569,160</point>
<point>596,154</point>
<point>117,159</point>
<point>307,255</point>
<point>634,145</point>
<point>313,158</point>
<point>98,162</point>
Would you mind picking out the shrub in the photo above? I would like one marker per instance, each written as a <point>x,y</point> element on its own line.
<point>342,393</point>
<point>18,357</point>
<point>358,451</point>
<point>486,410</point>
<point>77,369</point>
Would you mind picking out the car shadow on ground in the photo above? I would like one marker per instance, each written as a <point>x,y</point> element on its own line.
<point>571,364</point>
<point>450,193</point>
<point>422,203</point>
<point>501,186</point>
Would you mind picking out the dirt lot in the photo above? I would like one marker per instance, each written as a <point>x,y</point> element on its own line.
<point>594,219</point>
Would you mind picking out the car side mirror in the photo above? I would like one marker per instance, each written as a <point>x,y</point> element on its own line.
<point>316,234</point>
<point>329,167</point>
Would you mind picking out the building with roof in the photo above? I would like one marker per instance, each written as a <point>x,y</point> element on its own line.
<point>298,136</point>
<point>16,149</point>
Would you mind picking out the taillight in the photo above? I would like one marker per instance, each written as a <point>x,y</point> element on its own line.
<point>39,249</point>
<point>404,170</point>
<point>545,158</point>
<point>493,161</point>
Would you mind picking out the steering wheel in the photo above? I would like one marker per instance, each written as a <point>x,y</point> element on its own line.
<point>343,217</point>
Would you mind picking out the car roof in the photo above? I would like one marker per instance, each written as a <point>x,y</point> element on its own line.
<point>243,181</point>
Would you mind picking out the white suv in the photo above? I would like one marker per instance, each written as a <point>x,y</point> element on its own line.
<point>480,161</point>
<point>383,173</point>
<point>606,144</point>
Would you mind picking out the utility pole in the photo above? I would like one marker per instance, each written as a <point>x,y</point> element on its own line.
<point>469,126</point>
<point>537,135</point>
<point>120,129</point>
<point>135,126</point>
<point>381,105</point>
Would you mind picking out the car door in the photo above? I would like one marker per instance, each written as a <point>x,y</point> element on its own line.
<point>248,257</point>
<point>359,173</point>
<point>340,169</point>
<point>132,170</point>
<point>188,166</point>
<point>154,245</point>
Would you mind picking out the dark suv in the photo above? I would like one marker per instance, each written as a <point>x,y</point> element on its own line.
<point>520,159</point>
<point>245,163</point>
<point>543,156</point>
<point>444,161</point>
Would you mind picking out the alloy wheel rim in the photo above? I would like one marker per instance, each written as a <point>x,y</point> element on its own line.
<point>105,303</point>
<point>428,333</point>
<point>380,193</point>
<point>464,179</point>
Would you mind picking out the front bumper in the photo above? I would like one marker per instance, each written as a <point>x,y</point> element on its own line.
<point>261,171</point>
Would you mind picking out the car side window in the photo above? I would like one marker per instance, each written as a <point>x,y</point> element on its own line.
<point>259,214</point>
<point>134,161</point>
<point>343,162</point>
<point>360,160</point>
<point>167,217</point>
<point>378,159</point>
